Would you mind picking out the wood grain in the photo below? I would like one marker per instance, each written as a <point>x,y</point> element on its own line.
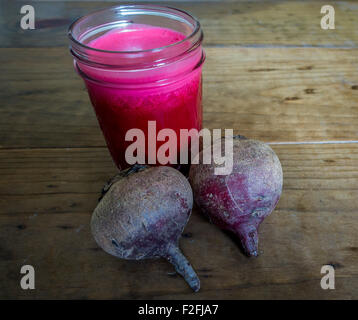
<point>47,197</point>
<point>250,23</point>
<point>296,94</point>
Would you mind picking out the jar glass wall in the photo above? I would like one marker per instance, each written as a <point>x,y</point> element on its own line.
<point>140,63</point>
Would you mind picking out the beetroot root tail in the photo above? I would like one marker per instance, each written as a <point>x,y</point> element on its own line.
<point>183,267</point>
<point>249,239</point>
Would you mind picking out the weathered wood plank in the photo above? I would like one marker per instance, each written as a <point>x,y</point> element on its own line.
<point>251,23</point>
<point>297,94</point>
<point>47,196</point>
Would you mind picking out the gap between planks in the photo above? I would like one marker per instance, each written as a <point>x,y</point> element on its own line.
<point>233,46</point>
<point>280,46</point>
<point>313,142</point>
<point>105,147</point>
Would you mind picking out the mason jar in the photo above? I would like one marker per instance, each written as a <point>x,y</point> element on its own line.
<point>141,64</point>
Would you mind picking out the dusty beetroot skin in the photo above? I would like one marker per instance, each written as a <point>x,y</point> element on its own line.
<point>240,201</point>
<point>142,215</point>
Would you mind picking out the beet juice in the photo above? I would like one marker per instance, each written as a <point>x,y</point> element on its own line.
<point>140,63</point>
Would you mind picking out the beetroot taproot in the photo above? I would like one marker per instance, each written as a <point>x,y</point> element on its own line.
<point>239,202</point>
<point>142,215</point>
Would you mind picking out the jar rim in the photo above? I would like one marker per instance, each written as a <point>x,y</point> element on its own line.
<point>196,29</point>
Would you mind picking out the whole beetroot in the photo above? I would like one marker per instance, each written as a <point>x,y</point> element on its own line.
<point>142,215</point>
<point>240,201</point>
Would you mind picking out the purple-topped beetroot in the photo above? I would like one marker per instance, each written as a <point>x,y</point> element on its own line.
<point>240,201</point>
<point>142,215</point>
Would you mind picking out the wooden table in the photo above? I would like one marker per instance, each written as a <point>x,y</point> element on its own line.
<point>271,73</point>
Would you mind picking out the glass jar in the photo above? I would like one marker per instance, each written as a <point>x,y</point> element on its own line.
<point>143,80</point>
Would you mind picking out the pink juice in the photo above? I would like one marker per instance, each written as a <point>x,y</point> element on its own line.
<point>169,93</point>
